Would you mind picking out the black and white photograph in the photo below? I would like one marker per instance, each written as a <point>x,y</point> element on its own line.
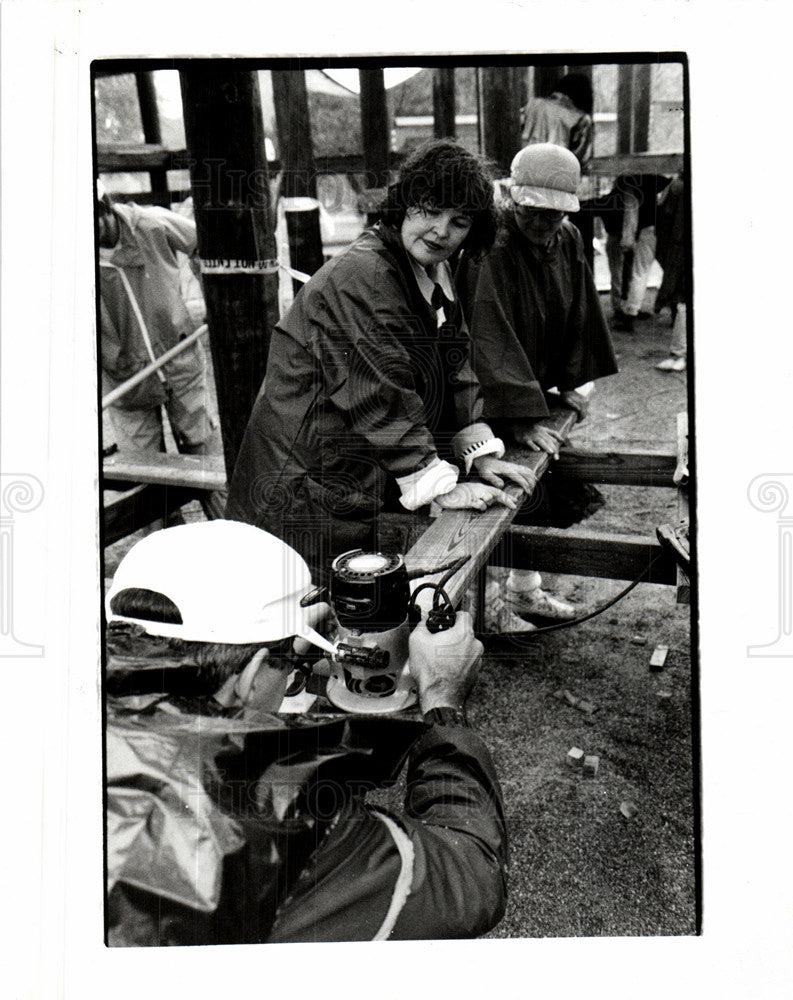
<point>397,493</point>
<point>395,519</point>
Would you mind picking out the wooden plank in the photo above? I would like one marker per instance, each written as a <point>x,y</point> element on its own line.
<point>127,512</point>
<point>231,194</point>
<point>196,472</point>
<point>636,163</point>
<point>616,468</point>
<point>457,533</point>
<point>124,158</point>
<point>585,553</point>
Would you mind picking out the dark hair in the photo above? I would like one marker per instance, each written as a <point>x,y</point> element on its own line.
<point>578,88</point>
<point>443,174</point>
<point>216,661</point>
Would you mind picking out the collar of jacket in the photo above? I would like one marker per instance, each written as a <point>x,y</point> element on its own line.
<point>425,281</point>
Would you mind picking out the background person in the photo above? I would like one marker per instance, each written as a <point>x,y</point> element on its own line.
<point>369,394</point>
<point>629,215</point>
<point>563,118</point>
<point>671,254</point>
<point>536,324</point>
<point>142,315</point>
<point>242,826</point>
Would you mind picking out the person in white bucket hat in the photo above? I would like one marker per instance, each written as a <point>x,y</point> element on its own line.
<point>228,823</point>
<point>539,334</point>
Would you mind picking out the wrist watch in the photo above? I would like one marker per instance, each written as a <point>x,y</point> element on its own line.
<point>446,717</point>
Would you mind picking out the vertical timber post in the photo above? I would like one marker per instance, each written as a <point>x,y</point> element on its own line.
<point>443,102</point>
<point>501,114</point>
<point>150,119</point>
<point>299,181</point>
<point>374,137</point>
<point>231,193</point>
<point>642,82</point>
<point>625,109</point>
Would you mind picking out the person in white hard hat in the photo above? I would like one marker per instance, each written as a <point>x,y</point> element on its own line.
<point>536,325</point>
<point>227,823</point>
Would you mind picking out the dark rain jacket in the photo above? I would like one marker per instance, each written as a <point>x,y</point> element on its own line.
<point>362,387</point>
<point>535,320</point>
<point>220,835</point>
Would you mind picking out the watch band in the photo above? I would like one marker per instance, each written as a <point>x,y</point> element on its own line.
<point>446,717</point>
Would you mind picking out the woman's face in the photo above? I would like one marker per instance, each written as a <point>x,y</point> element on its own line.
<point>538,225</point>
<point>431,235</point>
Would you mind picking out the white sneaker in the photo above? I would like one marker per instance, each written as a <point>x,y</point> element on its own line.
<point>672,364</point>
<point>539,602</point>
<point>499,615</point>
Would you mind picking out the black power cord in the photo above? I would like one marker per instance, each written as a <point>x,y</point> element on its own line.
<point>531,633</point>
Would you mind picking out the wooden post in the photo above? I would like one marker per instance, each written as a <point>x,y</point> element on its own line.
<point>625,109</point>
<point>150,119</point>
<point>545,78</point>
<point>231,193</point>
<point>642,82</point>
<point>374,137</point>
<point>443,102</point>
<point>299,182</point>
<point>501,113</point>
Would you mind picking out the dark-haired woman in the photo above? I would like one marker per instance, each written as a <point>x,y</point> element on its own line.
<point>369,390</point>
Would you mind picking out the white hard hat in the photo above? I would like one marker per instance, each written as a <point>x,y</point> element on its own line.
<point>231,583</point>
<point>544,175</point>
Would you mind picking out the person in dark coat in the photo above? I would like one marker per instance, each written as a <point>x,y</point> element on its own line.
<point>227,823</point>
<point>671,254</point>
<point>369,389</point>
<point>536,322</point>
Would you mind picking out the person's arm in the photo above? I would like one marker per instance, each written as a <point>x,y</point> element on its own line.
<point>630,221</point>
<point>453,806</point>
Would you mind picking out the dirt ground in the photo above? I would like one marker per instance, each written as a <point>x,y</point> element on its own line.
<point>579,867</point>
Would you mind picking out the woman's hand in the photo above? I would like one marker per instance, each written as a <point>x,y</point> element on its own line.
<point>474,496</point>
<point>575,401</point>
<point>495,470</point>
<point>538,437</point>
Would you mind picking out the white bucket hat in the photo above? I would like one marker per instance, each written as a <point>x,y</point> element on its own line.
<point>231,582</point>
<point>544,175</point>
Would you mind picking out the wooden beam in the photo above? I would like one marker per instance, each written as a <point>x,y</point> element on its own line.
<point>636,163</point>
<point>443,102</point>
<point>683,514</point>
<point>585,553</point>
<point>196,472</point>
<point>641,107</point>
<point>625,109</point>
<point>122,158</point>
<point>616,468</point>
<point>375,130</point>
<point>298,175</point>
<point>231,193</point>
<point>457,533</point>
<point>150,118</point>
<point>501,115</point>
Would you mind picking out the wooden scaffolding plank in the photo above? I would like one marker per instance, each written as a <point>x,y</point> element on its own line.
<point>196,472</point>
<point>617,468</point>
<point>457,533</point>
<point>582,552</point>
